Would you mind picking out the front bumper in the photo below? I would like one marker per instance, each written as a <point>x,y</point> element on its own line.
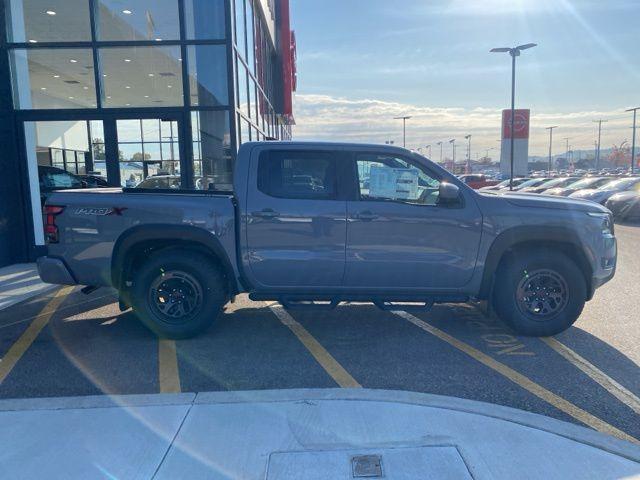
<point>54,270</point>
<point>607,263</point>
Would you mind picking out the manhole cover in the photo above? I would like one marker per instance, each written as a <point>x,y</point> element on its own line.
<point>367,466</point>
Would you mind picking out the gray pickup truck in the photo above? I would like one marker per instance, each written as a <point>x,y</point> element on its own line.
<point>314,224</point>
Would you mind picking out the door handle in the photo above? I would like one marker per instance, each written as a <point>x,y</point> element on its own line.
<point>266,213</point>
<point>366,216</point>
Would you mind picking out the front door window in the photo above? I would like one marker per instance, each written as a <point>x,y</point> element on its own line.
<point>391,178</point>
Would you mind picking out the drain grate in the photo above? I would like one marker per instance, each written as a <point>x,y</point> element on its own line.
<point>367,466</point>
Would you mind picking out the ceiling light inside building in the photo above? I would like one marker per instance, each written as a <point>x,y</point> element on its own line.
<point>169,86</point>
<point>50,12</point>
<point>151,74</point>
<point>127,60</point>
<point>158,39</point>
<point>85,88</point>
<point>43,88</point>
<point>127,104</point>
<point>73,60</point>
<point>31,40</point>
<point>127,12</point>
<point>56,76</point>
<point>70,98</point>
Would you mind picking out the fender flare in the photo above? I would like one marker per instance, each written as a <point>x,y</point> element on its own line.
<point>168,232</point>
<point>531,235</point>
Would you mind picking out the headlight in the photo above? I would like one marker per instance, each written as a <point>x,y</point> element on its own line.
<point>607,222</point>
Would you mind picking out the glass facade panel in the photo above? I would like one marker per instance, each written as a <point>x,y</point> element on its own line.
<point>212,150</point>
<point>204,19</point>
<point>243,100</point>
<point>251,46</point>
<point>137,20</point>
<point>240,28</point>
<point>141,76</point>
<point>53,78</point>
<point>208,75</point>
<point>36,21</point>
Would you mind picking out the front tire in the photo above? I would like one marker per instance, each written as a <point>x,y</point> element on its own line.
<point>178,294</point>
<point>539,293</point>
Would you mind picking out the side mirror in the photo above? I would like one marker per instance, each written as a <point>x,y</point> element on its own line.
<point>448,193</point>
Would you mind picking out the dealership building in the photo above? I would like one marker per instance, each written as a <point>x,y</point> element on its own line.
<point>160,91</point>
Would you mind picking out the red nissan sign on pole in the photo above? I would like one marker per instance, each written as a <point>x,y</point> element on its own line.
<point>521,124</point>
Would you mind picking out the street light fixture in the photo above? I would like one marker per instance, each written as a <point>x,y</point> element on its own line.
<point>404,129</point>
<point>429,147</point>
<point>440,144</point>
<point>514,52</point>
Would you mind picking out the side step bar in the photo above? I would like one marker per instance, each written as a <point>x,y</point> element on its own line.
<point>312,302</point>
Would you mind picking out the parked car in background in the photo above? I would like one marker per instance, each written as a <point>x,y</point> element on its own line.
<point>534,182</point>
<point>553,183</point>
<point>93,180</point>
<point>625,205</point>
<point>504,185</point>
<point>52,179</point>
<point>606,191</point>
<point>582,184</point>
<point>171,182</point>
<point>477,180</point>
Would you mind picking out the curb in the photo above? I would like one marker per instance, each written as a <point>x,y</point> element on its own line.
<point>566,430</point>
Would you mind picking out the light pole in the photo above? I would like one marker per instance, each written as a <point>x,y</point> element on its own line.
<point>566,139</point>
<point>404,129</point>
<point>453,142</point>
<point>550,145</point>
<point>633,142</point>
<point>514,52</point>
<point>440,143</point>
<point>599,122</point>
<point>468,137</point>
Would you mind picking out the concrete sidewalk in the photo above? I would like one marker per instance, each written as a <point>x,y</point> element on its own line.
<point>292,434</point>
<point>20,282</point>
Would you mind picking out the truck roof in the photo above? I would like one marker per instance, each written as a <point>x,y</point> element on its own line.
<point>341,145</point>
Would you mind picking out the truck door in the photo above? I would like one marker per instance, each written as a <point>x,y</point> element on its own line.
<point>398,234</point>
<point>295,220</point>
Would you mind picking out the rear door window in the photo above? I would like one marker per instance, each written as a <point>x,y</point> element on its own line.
<point>298,175</point>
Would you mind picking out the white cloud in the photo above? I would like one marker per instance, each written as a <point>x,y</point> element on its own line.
<point>329,118</point>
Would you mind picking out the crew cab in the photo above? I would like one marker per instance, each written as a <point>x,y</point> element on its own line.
<point>316,224</point>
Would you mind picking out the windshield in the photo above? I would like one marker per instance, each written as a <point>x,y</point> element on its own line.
<point>585,183</point>
<point>532,183</point>
<point>621,184</point>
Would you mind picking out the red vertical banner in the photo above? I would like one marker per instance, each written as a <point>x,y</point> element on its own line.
<point>288,54</point>
<point>521,124</point>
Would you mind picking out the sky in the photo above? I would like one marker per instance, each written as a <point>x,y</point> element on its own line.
<point>363,62</point>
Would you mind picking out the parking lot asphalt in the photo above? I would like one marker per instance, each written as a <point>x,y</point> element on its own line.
<point>65,343</point>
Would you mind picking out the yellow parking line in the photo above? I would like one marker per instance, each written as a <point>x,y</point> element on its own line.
<point>597,375</point>
<point>23,343</point>
<point>168,372</point>
<point>521,380</point>
<point>324,358</point>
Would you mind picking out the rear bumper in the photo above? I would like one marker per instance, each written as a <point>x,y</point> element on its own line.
<point>54,270</point>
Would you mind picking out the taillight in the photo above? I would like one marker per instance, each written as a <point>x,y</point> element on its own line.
<point>50,227</point>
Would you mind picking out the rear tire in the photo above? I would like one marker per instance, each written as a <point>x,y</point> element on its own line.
<point>178,294</point>
<point>539,293</point>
